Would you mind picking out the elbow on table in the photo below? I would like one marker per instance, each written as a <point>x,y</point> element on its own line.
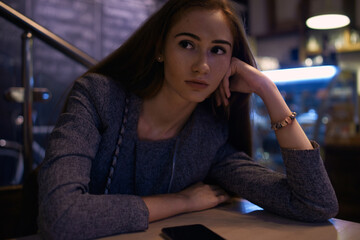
<point>51,227</point>
<point>66,227</point>
<point>76,222</point>
<point>61,223</point>
<point>330,207</point>
<point>321,213</point>
<point>329,212</point>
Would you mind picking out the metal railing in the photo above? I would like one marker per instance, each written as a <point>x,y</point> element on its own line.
<point>32,29</point>
<point>45,35</point>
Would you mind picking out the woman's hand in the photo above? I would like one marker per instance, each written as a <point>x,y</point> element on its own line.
<point>197,197</point>
<point>201,196</point>
<point>240,77</point>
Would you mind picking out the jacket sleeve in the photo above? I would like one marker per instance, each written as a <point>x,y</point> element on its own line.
<point>304,192</point>
<point>66,208</point>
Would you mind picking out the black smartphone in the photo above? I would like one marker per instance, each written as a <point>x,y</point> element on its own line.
<point>190,232</point>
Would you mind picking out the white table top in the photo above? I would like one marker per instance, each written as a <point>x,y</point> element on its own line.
<point>243,220</point>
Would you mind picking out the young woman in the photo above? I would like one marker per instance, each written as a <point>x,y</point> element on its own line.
<point>161,127</point>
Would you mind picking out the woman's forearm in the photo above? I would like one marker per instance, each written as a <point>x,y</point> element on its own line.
<point>291,136</point>
<point>165,205</point>
<point>197,197</point>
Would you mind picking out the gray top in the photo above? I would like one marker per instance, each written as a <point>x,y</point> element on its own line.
<point>88,137</point>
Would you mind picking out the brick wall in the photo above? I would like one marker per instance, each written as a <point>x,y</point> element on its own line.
<point>97,27</point>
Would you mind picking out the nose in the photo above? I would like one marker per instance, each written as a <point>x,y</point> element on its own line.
<point>201,64</point>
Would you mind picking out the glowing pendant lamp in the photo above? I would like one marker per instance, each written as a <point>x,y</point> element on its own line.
<point>329,17</point>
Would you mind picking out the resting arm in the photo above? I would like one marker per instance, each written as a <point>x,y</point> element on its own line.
<point>242,77</point>
<point>67,209</point>
<point>194,198</point>
<point>304,192</point>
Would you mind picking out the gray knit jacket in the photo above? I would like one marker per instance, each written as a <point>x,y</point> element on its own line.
<point>93,135</point>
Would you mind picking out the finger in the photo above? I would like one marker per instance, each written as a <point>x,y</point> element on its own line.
<point>221,192</point>
<point>223,96</point>
<point>220,97</point>
<point>223,198</point>
<point>218,190</point>
<point>217,98</point>
<point>226,84</point>
<point>221,195</point>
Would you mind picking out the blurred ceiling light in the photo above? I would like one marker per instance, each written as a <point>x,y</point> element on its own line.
<point>308,62</point>
<point>328,21</point>
<point>302,73</point>
<point>267,63</point>
<point>327,14</point>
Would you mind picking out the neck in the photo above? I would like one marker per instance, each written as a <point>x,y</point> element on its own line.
<point>162,117</point>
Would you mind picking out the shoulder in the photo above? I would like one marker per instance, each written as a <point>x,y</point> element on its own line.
<point>101,90</point>
<point>98,83</point>
<point>99,96</point>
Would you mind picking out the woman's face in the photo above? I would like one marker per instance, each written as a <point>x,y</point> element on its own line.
<point>197,54</point>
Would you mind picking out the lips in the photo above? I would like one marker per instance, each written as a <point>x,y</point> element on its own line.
<point>197,84</point>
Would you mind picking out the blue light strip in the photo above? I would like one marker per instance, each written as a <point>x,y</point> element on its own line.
<point>302,74</point>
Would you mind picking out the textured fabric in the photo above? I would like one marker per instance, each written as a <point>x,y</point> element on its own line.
<point>73,175</point>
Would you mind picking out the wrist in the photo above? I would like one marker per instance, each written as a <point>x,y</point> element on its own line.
<point>165,205</point>
<point>266,88</point>
<point>183,202</point>
<point>274,102</point>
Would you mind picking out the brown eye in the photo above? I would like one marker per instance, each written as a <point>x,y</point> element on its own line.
<point>185,44</point>
<point>218,50</point>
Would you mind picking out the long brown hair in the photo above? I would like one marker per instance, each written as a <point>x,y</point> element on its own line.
<point>134,62</point>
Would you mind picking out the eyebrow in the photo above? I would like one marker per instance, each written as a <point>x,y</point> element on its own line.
<point>198,38</point>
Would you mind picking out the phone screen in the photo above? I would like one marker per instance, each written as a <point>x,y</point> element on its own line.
<point>190,232</point>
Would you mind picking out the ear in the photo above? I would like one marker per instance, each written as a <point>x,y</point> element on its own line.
<point>159,51</point>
